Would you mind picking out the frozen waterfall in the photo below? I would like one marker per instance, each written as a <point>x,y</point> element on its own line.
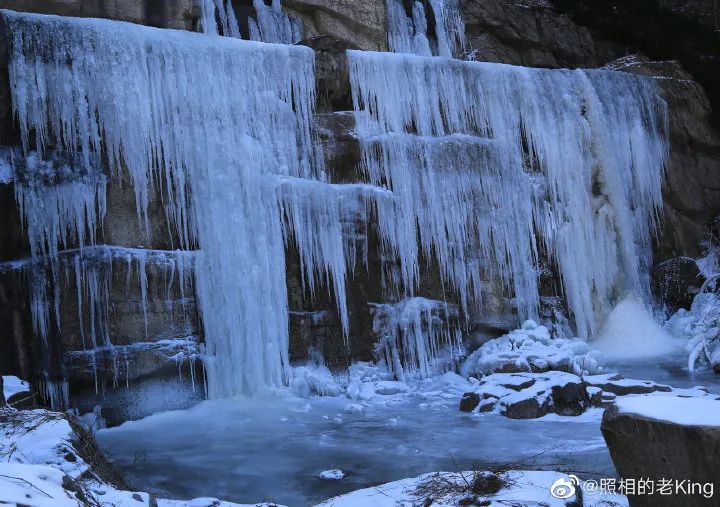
<point>485,158</point>
<point>215,122</point>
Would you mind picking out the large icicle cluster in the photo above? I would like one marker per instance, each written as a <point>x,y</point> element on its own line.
<point>327,223</point>
<point>417,337</point>
<point>271,23</point>
<point>483,158</point>
<point>223,128</point>
<point>409,34</point>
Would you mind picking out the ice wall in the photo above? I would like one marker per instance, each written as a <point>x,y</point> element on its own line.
<point>409,33</point>
<point>491,164</point>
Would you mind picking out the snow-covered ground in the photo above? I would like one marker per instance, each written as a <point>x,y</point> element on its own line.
<point>520,488</point>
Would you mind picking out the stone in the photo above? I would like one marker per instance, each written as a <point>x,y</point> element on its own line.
<point>360,23</point>
<point>331,72</point>
<point>620,386</point>
<point>676,282</point>
<point>528,408</point>
<point>533,34</point>
<point>179,14</point>
<point>469,402</point>
<point>531,395</point>
<point>641,447</point>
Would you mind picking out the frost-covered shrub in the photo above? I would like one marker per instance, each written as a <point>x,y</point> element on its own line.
<point>531,348</point>
<point>700,326</point>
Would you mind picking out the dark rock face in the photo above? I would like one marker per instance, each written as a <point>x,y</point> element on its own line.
<point>331,73</point>
<point>647,448</point>
<point>676,282</point>
<point>180,14</point>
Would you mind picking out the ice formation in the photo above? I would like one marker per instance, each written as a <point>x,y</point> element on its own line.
<point>417,337</point>
<point>699,327</point>
<point>323,220</point>
<point>222,127</point>
<point>216,15</point>
<point>271,23</point>
<point>483,158</point>
<point>409,33</point>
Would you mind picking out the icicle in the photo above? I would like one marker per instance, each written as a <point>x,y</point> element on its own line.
<point>213,115</point>
<point>409,34</point>
<point>223,10</point>
<point>273,24</point>
<point>322,220</point>
<point>417,337</point>
<point>576,156</point>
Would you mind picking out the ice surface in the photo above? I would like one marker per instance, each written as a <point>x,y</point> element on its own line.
<point>575,156</point>
<point>674,409</point>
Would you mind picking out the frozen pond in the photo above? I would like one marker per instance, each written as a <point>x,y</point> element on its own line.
<point>247,450</point>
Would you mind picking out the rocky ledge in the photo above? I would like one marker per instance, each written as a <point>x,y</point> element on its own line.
<point>670,440</point>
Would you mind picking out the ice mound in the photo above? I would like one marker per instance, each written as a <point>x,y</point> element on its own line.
<point>630,332</point>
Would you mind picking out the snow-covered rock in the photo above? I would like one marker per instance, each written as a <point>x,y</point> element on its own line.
<point>530,395</point>
<point>14,388</point>
<point>620,386</point>
<point>666,439</point>
<point>332,475</point>
<point>532,349</point>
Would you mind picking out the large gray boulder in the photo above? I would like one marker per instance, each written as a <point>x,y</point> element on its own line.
<point>665,438</point>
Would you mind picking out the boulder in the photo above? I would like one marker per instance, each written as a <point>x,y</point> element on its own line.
<point>531,395</point>
<point>666,439</point>
<point>469,402</point>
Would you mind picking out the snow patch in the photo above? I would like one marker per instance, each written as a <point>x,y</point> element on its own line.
<point>674,409</point>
